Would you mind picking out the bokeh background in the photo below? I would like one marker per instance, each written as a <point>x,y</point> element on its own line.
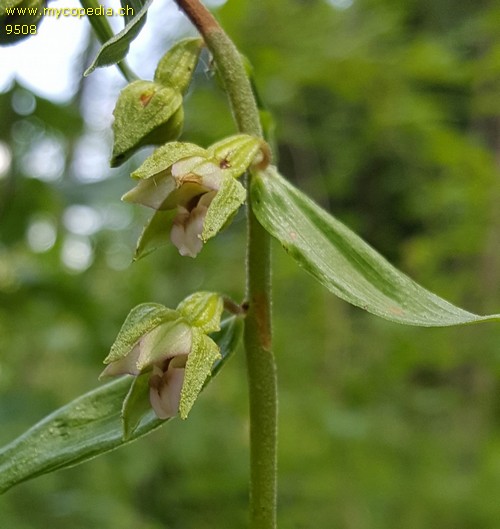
<point>388,114</point>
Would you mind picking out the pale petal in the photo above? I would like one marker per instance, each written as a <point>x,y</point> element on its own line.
<point>186,166</point>
<point>165,391</point>
<point>165,341</point>
<point>126,365</point>
<point>152,192</point>
<point>186,231</point>
<point>206,199</point>
<point>194,225</point>
<point>210,174</point>
<point>185,195</point>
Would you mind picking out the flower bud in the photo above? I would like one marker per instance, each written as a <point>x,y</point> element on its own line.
<point>150,112</point>
<point>176,67</point>
<point>146,113</point>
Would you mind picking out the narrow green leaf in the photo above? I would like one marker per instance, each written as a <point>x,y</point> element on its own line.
<point>103,31</point>
<point>88,426</point>
<point>99,24</point>
<point>79,431</point>
<point>198,368</point>
<point>116,48</point>
<point>227,339</point>
<point>134,6</point>
<point>342,262</point>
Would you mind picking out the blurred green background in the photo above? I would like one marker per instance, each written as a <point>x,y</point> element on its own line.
<point>388,114</point>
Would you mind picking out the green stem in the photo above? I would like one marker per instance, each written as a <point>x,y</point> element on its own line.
<point>260,360</point>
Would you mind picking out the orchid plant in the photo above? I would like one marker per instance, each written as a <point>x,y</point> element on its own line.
<point>163,356</point>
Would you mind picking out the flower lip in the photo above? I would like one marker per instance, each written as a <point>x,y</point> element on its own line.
<point>184,195</point>
<point>188,225</point>
<point>165,391</point>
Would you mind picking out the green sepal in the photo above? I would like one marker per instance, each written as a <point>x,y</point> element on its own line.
<point>230,196</point>
<point>203,310</point>
<point>344,263</point>
<point>203,354</point>
<point>177,66</point>
<point>136,405</point>
<point>164,157</point>
<point>26,19</point>
<point>155,233</point>
<point>236,154</point>
<point>140,320</point>
<point>116,48</point>
<point>146,113</point>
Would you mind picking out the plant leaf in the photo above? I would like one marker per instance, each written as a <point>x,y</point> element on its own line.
<point>88,426</point>
<point>116,48</point>
<point>134,5</point>
<point>342,262</point>
<point>81,430</point>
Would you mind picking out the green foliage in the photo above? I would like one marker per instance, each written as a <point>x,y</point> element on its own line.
<point>387,115</point>
<point>91,424</point>
<point>344,263</point>
<point>116,48</point>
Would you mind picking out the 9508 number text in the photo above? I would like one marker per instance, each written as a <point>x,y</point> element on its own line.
<point>20,29</point>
